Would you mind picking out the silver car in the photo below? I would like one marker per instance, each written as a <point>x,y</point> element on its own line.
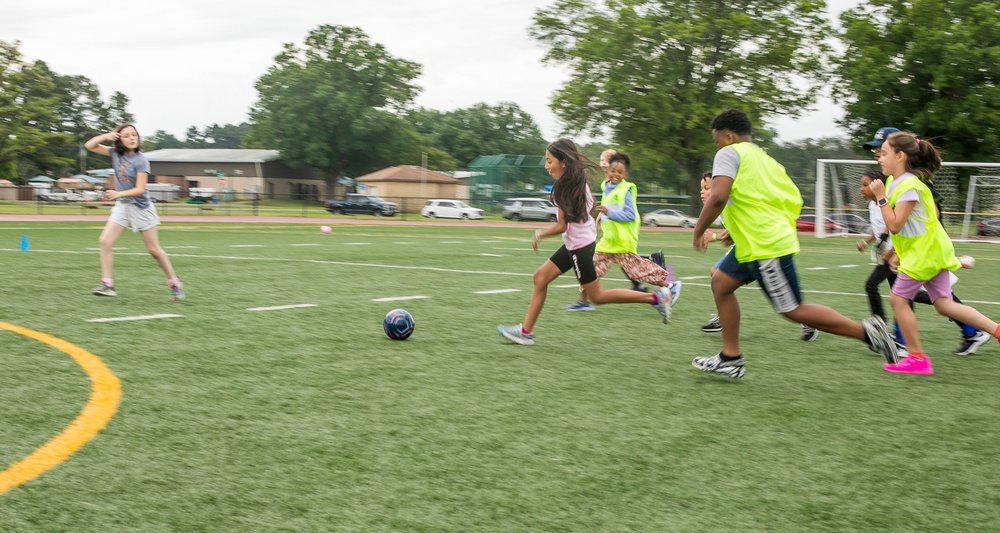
<point>668,217</point>
<point>529,209</point>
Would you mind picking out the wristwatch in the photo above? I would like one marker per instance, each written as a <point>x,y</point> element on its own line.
<point>882,201</point>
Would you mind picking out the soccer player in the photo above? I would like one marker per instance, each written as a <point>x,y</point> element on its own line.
<point>760,204</point>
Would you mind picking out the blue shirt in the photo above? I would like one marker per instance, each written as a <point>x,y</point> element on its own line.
<point>127,167</point>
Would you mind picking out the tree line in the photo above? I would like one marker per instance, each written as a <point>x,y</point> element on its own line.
<point>646,75</point>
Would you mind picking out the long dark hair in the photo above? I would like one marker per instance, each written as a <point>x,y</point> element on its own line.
<point>570,191</point>
<point>119,147</point>
<point>922,158</point>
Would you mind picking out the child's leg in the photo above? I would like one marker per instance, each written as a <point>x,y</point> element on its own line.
<point>109,236</point>
<point>826,319</point>
<point>601,296</point>
<point>151,238</point>
<point>907,321</point>
<point>724,291</point>
<point>879,274</point>
<point>540,287</point>
<point>924,298</point>
<point>963,313</point>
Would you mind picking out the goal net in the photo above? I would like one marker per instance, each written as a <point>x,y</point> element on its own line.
<point>969,192</point>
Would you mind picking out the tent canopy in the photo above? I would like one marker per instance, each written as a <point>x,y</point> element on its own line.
<point>91,179</point>
<point>40,179</point>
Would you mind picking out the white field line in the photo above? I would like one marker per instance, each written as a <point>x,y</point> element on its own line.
<point>128,318</point>
<point>179,248</point>
<point>497,291</point>
<point>423,268</point>
<point>280,307</point>
<point>398,298</point>
<point>306,244</point>
<point>246,245</point>
<point>491,255</point>
<point>356,243</point>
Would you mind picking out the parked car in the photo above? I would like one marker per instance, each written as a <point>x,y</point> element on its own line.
<point>855,224</point>
<point>451,209</point>
<point>988,227</point>
<point>361,204</point>
<point>668,217</point>
<point>529,209</point>
<point>808,223</point>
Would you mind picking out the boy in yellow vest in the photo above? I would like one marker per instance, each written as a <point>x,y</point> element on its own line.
<point>760,204</point>
<point>620,233</point>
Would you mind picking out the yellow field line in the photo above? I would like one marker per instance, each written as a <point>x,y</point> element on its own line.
<point>105,393</point>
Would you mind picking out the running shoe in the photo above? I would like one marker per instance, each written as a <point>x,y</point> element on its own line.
<point>104,290</point>
<point>911,365</point>
<point>731,369</point>
<point>580,306</point>
<point>516,334</point>
<point>809,334</point>
<point>881,341</point>
<point>176,290</point>
<point>713,326</point>
<point>972,343</point>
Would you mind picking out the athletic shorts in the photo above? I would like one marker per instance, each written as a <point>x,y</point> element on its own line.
<point>580,260</point>
<point>937,287</point>
<point>129,215</point>
<point>776,277</point>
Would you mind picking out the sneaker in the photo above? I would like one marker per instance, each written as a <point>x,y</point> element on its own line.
<point>911,365</point>
<point>663,305</point>
<point>657,257</point>
<point>580,306</point>
<point>809,334</point>
<point>639,287</point>
<point>675,291</point>
<point>972,343</point>
<point>104,290</point>
<point>713,325</point>
<point>882,341</point>
<point>731,369</point>
<point>176,290</point>
<point>515,334</point>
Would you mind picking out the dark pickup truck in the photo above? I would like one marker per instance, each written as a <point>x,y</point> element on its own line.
<point>361,204</point>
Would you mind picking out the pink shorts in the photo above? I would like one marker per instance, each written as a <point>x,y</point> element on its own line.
<point>937,287</point>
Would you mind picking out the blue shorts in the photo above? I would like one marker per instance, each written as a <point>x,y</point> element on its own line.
<point>580,260</point>
<point>776,277</point>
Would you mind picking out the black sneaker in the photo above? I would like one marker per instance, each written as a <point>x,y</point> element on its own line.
<point>657,257</point>
<point>809,334</point>
<point>972,343</point>
<point>731,369</point>
<point>639,287</point>
<point>713,325</point>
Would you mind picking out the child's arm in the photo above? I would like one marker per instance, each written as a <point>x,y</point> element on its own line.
<point>895,218</point>
<point>714,204</point>
<point>556,229</point>
<point>94,144</point>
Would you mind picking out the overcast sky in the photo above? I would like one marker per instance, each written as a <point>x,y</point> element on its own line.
<point>194,63</point>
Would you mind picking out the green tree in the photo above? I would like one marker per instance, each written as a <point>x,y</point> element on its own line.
<point>931,66</point>
<point>338,104</point>
<point>161,140</point>
<point>652,74</point>
<point>29,124</point>
<point>482,129</point>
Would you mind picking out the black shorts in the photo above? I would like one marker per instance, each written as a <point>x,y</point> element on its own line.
<point>580,260</point>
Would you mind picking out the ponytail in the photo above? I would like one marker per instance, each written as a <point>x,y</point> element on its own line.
<point>922,158</point>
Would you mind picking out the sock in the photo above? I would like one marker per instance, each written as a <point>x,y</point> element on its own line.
<point>524,331</point>
<point>174,281</point>
<point>899,335</point>
<point>996,333</point>
<point>725,357</point>
<point>968,331</point>
<point>670,273</point>
<point>656,299</point>
<point>917,355</point>
<point>108,282</point>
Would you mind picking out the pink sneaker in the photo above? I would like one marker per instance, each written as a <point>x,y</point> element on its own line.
<point>911,365</point>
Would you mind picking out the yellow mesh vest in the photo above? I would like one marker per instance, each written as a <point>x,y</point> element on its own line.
<point>763,206</point>
<point>619,237</point>
<point>923,246</point>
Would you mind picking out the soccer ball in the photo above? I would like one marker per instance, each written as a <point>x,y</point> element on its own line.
<point>967,261</point>
<point>398,324</point>
<point>325,229</point>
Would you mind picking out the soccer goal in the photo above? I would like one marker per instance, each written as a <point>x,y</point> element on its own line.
<point>968,191</point>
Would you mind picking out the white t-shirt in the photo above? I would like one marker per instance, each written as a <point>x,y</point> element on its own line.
<point>878,224</point>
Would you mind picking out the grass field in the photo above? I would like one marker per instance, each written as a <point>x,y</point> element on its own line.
<point>309,419</point>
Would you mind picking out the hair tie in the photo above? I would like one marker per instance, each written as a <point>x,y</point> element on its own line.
<point>916,139</point>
